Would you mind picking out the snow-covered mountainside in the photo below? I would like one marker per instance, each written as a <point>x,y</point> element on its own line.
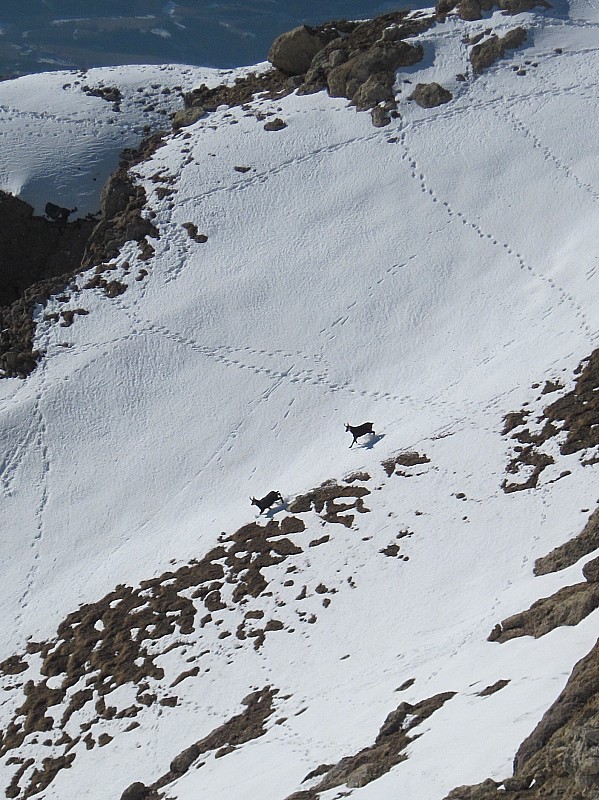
<point>378,633</point>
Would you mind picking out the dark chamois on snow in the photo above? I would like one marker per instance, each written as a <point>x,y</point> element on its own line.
<point>267,501</point>
<point>359,430</point>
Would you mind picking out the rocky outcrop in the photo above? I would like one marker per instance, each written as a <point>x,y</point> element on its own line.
<point>187,116</point>
<point>380,60</point>
<point>122,202</point>
<point>271,84</point>
<point>39,258</point>
<point>239,729</point>
<point>33,249</point>
<point>572,551</point>
<point>379,758</point>
<point>429,95</point>
<point>361,64</point>
<point>494,47</point>
<point>573,416</point>
<point>560,758</point>
<point>473,9</point>
<point>519,6</point>
<point>568,606</point>
<point>292,52</point>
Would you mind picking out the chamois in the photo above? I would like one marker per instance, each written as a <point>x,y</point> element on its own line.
<point>58,213</point>
<point>267,501</point>
<point>359,430</point>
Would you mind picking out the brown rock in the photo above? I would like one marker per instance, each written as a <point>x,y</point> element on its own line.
<point>345,80</point>
<point>137,791</point>
<point>518,6</point>
<point>429,95</point>
<point>375,89</point>
<point>292,52</point>
<point>469,10</point>
<point>276,124</point>
<point>187,116</point>
<point>570,552</point>
<point>487,52</point>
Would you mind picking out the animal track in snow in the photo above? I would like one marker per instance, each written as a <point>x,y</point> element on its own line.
<point>520,127</point>
<point>41,440</point>
<point>419,176</point>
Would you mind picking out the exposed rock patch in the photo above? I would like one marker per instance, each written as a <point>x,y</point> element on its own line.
<point>272,84</point>
<point>568,606</point>
<point>292,52</point>
<point>484,54</point>
<point>470,10</point>
<point>122,202</point>
<point>572,551</point>
<point>560,759</point>
<point>34,249</point>
<point>323,500</point>
<point>429,95</point>
<point>112,94</point>
<point>493,688</point>
<point>376,760</point>
<point>40,258</point>
<point>194,234</point>
<point>241,728</point>
<point>574,413</point>
<point>276,124</point>
<point>408,459</point>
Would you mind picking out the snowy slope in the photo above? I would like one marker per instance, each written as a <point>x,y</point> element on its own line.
<point>423,276</point>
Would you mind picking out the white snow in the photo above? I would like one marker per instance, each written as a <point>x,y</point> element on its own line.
<point>422,276</point>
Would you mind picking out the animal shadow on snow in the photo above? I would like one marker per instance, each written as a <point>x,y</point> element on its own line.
<point>284,506</point>
<point>370,443</point>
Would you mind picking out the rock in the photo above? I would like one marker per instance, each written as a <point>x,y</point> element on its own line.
<point>181,763</point>
<point>345,80</point>
<point>487,52</point>
<point>187,116</point>
<point>570,552</point>
<point>443,7</point>
<point>567,606</point>
<point>292,52</point>
<point>380,117</point>
<point>591,570</point>
<point>513,39</point>
<point>518,6</point>
<point>376,89</point>
<point>582,759</point>
<point>137,791</point>
<point>469,10</point>
<point>275,125</point>
<point>429,95</point>
<point>363,775</point>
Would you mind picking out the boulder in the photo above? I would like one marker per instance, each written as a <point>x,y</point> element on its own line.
<point>429,95</point>
<point>469,10</point>
<point>137,791</point>
<point>518,6</point>
<point>380,117</point>
<point>292,52</point>
<point>187,116</point>
<point>443,7</point>
<point>276,124</point>
<point>345,80</point>
<point>591,570</point>
<point>488,51</point>
<point>376,89</point>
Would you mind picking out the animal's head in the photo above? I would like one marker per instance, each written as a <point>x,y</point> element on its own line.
<point>254,501</point>
<point>347,426</point>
